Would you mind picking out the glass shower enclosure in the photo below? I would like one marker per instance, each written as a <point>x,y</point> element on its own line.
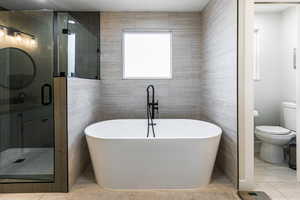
<point>26,97</point>
<point>78,39</point>
<point>39,50</point>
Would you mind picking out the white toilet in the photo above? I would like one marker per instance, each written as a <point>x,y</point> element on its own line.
<point>275,137</point>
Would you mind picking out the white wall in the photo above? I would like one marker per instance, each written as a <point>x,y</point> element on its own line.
<point>278,37</point>
<point>288,43</point>
<point>267,95</point>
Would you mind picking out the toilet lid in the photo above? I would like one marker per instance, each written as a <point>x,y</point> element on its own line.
<point>275,130</point>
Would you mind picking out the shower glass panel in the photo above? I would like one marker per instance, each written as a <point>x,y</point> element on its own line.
<point>79,44</point>
<point>26,105</point>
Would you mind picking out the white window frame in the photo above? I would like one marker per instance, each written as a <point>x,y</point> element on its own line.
<point>147,32</point>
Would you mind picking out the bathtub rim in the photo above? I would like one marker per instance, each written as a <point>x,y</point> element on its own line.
<point>218,130</point>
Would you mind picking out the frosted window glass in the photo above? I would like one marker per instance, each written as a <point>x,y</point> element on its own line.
<point>147,55</point>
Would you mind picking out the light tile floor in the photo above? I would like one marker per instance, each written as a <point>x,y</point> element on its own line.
<point>87,189</point>
<point>278,181</point>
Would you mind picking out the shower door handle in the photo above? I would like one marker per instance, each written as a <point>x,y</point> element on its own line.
<point>45,100</point>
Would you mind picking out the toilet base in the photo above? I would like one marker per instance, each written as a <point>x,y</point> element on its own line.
<point>271,153</point>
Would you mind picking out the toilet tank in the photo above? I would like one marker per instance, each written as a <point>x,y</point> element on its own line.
<point>289,115</point>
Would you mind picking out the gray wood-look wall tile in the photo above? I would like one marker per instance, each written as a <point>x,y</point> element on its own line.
<point>83,110</point>
<point>219,77</point>
<point>178,97</point>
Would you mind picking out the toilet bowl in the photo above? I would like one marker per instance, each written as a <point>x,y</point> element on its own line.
<point>273,139</point>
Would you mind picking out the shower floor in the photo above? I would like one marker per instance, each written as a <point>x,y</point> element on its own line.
<point>27,165</point>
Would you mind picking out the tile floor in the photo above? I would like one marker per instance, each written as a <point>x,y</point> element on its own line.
<point>87,189</point>
<point>278,181</point>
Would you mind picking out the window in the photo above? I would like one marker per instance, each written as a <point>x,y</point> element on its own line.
<point>147,55</point>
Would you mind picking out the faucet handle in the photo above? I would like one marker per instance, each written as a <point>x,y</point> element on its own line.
<point>155,105</point>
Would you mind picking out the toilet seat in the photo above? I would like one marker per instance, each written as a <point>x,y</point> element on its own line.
<point>273,130</point>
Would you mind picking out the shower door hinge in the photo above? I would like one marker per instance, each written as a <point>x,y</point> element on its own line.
<point>65,31</point>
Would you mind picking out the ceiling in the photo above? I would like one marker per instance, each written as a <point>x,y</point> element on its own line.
<point>271,8</point>
<point>106,5</point>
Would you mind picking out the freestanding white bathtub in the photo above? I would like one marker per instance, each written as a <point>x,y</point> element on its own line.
<point>181,156</point>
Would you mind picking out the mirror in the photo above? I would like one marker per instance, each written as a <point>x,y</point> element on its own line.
<point>17,68</point>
